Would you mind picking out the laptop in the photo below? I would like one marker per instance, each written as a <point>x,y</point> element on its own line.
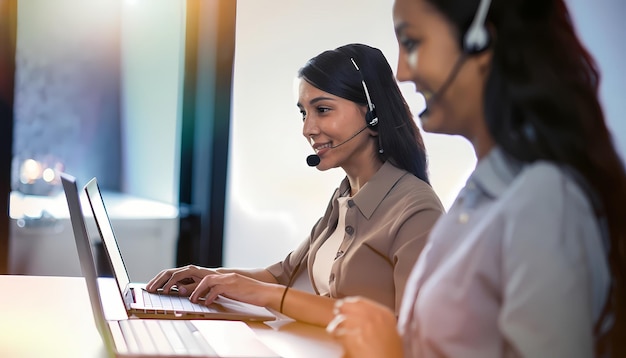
<point>144,304</point>
<point>153,337</point>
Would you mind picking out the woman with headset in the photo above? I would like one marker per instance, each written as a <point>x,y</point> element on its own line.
<point>377,220</point>
<point>529,260</point>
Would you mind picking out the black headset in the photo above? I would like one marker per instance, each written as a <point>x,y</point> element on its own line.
<point>477,38</point>
<point>371,119</point>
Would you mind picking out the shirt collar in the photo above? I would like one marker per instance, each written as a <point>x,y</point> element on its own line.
<point>494,173</point>
<point>375,190</point>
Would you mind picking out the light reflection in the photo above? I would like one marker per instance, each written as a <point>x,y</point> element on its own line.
<point>30,172</point>
<point>40,176</point>
<point>48,175</point>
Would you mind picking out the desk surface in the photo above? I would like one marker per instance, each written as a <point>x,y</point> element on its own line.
<point>51,316</point>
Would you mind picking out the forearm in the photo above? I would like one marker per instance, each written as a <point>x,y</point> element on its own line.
<point>235,284</point>
<point>258,274</point>
<point>304,306</point>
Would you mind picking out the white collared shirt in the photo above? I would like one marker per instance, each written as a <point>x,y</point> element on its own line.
<point>515,268</point>
<point>329,251</point>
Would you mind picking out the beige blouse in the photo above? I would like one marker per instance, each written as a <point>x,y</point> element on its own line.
<point>386,226</point>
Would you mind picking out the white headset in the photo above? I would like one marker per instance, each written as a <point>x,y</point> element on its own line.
<point>476,38</point>
<point>370,117</point>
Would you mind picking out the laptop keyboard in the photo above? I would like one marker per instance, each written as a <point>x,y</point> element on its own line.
<point>163,338</point>
<point>172,303</point>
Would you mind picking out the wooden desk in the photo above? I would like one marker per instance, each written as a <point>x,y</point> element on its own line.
<point>45,316</point>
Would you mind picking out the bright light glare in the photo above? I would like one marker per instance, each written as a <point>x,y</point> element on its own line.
<point>31,171</point>
<point>48,175</point>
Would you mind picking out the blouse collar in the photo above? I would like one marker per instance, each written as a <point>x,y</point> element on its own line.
<point>494,173</point>
<point>374,191</point>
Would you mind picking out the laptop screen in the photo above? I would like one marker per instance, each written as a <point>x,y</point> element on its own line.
<point>106,233</point>
<point>85,255</point>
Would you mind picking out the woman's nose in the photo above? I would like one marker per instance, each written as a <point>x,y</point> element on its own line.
<point>403,72</point>
<point>309,128</point>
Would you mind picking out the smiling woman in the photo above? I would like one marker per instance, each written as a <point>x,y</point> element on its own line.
<point>530,259</point>
<point>268,206</point>
<point>376,221</point>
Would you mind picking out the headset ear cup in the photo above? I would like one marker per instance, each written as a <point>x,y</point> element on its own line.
<point>476,41</point>
<point>477,38</point>
<point>371,119</point>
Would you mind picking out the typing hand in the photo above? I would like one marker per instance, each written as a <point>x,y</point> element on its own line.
<point>237,287</point>
<point>183,279</point>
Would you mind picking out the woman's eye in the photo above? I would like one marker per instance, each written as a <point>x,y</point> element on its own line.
<point>323,109</point>
<point>303,114</point>
<point>409,44</point>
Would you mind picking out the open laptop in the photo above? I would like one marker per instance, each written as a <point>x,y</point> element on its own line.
<point>154,337</point>
<point>144,304</point>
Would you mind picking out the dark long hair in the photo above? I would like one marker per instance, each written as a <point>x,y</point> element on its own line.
<point>541,103</point>
<point>332,71</point>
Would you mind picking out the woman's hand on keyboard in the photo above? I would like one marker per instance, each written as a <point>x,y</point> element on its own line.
<point>237,287</point>
<point>183,279</point>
